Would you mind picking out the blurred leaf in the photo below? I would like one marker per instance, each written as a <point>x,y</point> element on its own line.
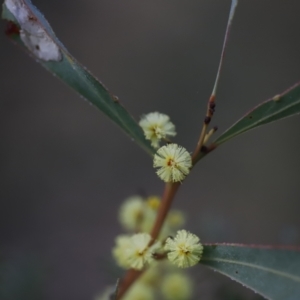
<point>114,296</point>
<point>272,272</point>
<point>22,278</point>
<point>37,37</point>
<point>279,107</point>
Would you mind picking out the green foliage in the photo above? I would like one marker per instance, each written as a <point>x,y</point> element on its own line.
<point>279,107</point>
<point>22,278</point>
<point>82,81</point>
<point>271,272</point>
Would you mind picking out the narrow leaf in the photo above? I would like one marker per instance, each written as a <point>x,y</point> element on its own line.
<point>29,28</point>
<point>272,272</point>
<point>276,108</point>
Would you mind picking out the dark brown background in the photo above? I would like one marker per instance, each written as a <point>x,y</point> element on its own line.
<point>65,168</point>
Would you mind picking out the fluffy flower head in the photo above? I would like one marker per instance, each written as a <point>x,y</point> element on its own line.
<point>138,253</point>
<point>120,250</point>
<point>151,206</point>
<point>153,202</point>
<point>131,212</point>
<point>173,161</point>
<point>157,126</point>
<point>175,218</point>
<point>185,249</point>
<point>177,286</point>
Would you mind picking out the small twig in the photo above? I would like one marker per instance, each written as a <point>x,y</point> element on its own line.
<point>209,134</point>
<point>211,102</point>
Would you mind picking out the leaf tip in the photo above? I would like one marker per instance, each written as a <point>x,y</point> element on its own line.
<point>32,33</point>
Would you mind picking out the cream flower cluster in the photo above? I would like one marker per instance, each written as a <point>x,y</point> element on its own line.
<point>177,286</point>
<point>184,250</point>
<point>138,215</point>
<point>173,163</point>
<point>157,126</point>
<point>162,261</point>
<point>132,212</point>
<point>134,251</point>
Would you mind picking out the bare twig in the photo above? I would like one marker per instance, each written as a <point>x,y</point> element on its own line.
<point>211,102</point>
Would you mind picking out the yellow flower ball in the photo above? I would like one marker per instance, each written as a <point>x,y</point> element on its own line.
<point>131,212</point>
<point>177,286</point>
<point>185,250</point>
<point>173,163</point>
<point>157,126</point>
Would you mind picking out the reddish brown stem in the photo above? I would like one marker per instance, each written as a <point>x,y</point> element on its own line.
<point>168,196</point>
<point>130,277</point>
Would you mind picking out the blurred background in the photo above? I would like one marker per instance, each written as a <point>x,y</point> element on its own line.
<point>65,168</point>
